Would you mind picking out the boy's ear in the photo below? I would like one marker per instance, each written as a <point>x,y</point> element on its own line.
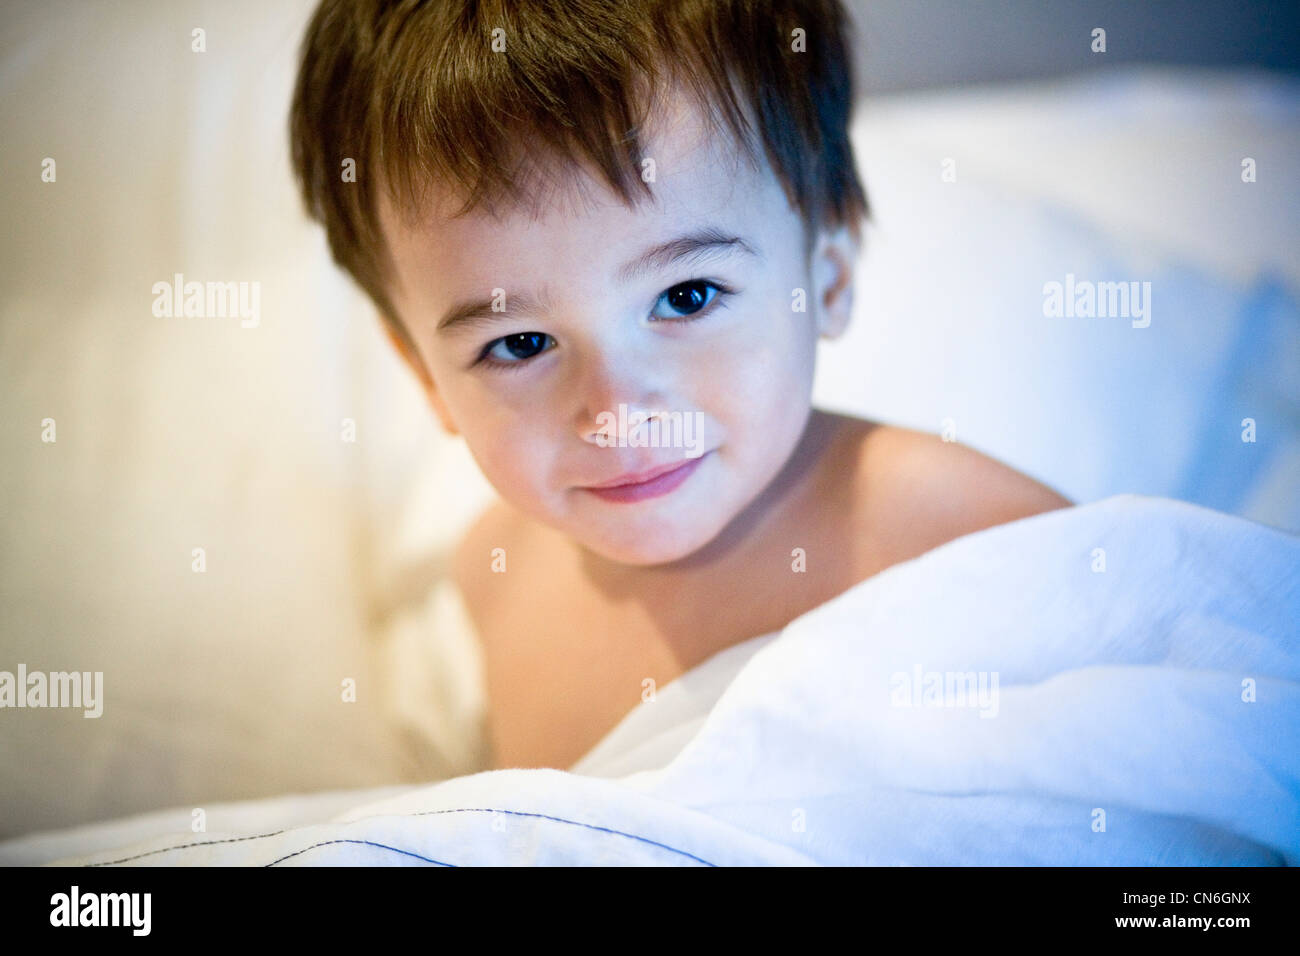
<point>416,365</point>
<point>834,256</point>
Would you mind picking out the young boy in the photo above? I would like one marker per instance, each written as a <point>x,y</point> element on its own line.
<point>572,212</point>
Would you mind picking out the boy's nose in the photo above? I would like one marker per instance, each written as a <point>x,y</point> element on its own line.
<point>619,406</point>
<point>610,425</point>
<point>615,387</point>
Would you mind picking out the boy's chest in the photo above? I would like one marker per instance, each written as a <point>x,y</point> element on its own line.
<point>563,666</point>
<point>561,677</point>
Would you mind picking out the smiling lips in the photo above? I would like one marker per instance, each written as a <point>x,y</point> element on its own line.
<point>649,484</point>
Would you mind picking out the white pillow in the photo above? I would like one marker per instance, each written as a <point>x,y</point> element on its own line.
<point>183,433</point>
<point>1132,176</point>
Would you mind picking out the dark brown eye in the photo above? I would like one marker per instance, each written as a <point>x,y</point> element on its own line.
<point>513,349</point>
<point>525,344</point>
<point>685,298</point>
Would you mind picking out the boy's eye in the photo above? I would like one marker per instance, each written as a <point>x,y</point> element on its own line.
<point>680,301</point>
<point>685,298</point>
<point>513,349</point>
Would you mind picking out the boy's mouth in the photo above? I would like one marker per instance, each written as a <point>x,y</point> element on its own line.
<point>647,484</point>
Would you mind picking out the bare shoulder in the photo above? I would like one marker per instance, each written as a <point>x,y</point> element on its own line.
<point>924,491</point>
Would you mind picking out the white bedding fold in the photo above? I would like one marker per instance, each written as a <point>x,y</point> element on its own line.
<point>1144,714</point>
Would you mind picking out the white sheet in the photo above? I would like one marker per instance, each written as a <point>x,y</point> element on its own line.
<point>1146,714</point>
<point>654,733</point>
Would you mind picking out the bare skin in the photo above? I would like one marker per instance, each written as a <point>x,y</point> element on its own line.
<point>569,637</point>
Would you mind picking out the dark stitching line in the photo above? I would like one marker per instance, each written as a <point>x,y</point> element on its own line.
<point>576,823</point>
<point>420,813</point>
<point>367,843</point>
<point>186,846</point>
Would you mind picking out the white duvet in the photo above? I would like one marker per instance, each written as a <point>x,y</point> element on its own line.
<point>1112,684</point>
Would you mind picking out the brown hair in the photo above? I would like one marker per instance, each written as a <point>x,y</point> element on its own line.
<point>414,92</point>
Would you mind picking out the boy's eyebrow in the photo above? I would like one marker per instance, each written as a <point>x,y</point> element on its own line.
<point>467,315</point>
<point>692,244</point>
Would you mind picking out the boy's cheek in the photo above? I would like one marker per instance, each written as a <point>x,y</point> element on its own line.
<point>515,464</point>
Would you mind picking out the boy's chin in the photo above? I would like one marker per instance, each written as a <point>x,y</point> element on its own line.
<point>651,548</point>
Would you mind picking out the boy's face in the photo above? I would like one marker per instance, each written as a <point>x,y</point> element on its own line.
<point>684,305</point>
